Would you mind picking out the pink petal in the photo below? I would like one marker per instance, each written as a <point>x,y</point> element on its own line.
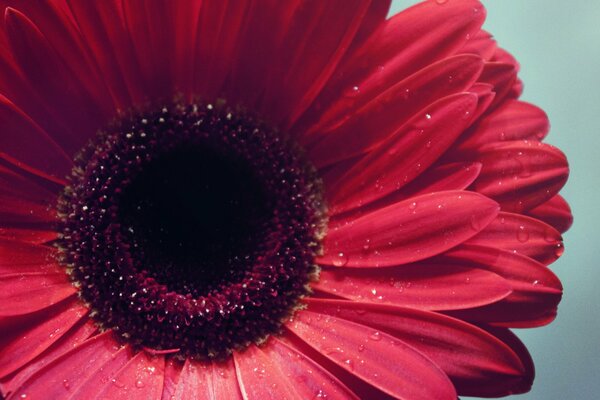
<point>173,370</point>
<point>407,231</point>
<point>24,141</point>
<point>555,212</point>
<point>70,339</point>
<point>536,291</point>
<point>311,380</point>
<point>423,285</point>
<point>369,125</point>
<point>374,18</point>
<point>404,156</point>
<point>377,358</point>
<point>468,355</point>
<point>67,372</point>
<point>524,235</point>
<point>276,371</point>
<point>513,120</point>
<point>207,380</point>
<point>405,43</point>
<point>141,378</point>
<point>521,175</point>
<point>37,334</point>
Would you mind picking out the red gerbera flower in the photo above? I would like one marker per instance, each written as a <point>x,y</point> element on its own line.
<point>269,200</point>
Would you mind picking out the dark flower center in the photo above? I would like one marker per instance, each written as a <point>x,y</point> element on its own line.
<point>192,228</point>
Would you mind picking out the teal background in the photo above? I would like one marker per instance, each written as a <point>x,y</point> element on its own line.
<point>558,45</point>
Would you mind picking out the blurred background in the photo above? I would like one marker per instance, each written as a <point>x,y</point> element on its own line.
<point>558,46</point>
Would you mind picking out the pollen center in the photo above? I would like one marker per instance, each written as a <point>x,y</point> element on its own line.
<point>192,228</point>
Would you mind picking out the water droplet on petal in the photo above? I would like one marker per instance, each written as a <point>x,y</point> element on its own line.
<point>376,336</point>
<point>522,234</point>
<point>559,249</point>
<point>352,92</point>
<point>139,384</point>
<point>340,259</point>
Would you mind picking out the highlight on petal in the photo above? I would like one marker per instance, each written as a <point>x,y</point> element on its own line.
<point>374,357</point>
<point>407,231</point>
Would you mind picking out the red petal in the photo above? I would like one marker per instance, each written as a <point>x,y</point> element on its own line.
<point>36,334</point>
<point>70,339</point>
<point>29,292</point>
<point>374,357</point>
<point>483,44</point>
<point>438,178</point>
<point>521,175</point>
<point>219,28</point>
<point>407,231</point>
<point>405,43</point>
<point>25,257</point>
<point>374,18</point>
<point>101,24</point>
<point>314,41</point>
<point>23,140</point>
<point>469,355</point>
<point>141,378</point>
<point>523,235</point>
<point>207,380</point>
<point>311,379</point>
<point>100,378</point>
<point>555,212</point>
<point>151,27</point>
<point>513,120</point>
<point>67,372</point>
<point>27,235</point>
<point>521,384</point>
<point>366,127</point>
<point>502,76</point>
<point>16,211</point>
<point>536,291</point>
<point>404,156</point>
<point>425,286</point>
<point>17,185</point>
<point>60,90</point>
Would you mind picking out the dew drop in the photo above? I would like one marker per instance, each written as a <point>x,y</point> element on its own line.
<point>406,94</point>
<point>66,384</point>
<point>139,384</point>
<point>376,336</point>
<point>361,347</point>
<point>549,236</point>
<point>352,92</point>
<point>428,117</point>
<point>349,363</point>
<point>522,234</point>
<point>320,395</point>
<point>559,249</point>
<point>340,259</point>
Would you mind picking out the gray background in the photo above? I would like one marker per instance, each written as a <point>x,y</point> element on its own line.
<point>558,45</point>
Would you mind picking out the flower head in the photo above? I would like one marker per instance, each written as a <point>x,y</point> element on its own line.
<point>269,200</point>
